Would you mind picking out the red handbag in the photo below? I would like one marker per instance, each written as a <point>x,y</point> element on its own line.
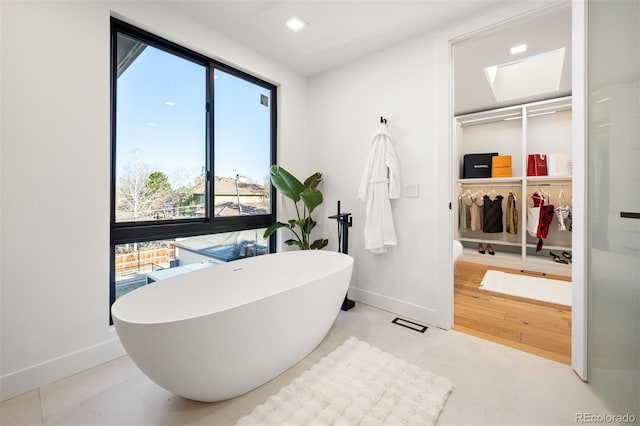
<point>536,165</point>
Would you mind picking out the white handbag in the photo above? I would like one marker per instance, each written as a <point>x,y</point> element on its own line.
<point>558,165</point>
<point>563,214</point>
<point>533,219</point>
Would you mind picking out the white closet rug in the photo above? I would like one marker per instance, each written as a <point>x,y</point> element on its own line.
<point>357,384</point>
<point>544,289</point>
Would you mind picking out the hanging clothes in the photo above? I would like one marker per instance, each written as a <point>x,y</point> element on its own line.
<point>379,184</point>
<point>563,214</point>
<point>538,199</point>
<point>492,213</point>
<point>476,215</point>
<point>464,215</point>
<point>546,216</point>
<point>570,219</point>
<point>512,214</point>
<point>533,214</point>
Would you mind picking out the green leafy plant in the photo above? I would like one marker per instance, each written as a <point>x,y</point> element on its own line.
<point>310,196</point>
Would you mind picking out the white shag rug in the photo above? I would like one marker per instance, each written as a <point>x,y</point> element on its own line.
<point>537,288</point>
<point>357,384</point>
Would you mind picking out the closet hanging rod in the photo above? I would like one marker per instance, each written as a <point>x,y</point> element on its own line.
<point>535,184</point>
<point>489,185</point>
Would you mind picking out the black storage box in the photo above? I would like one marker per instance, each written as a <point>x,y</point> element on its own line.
<point>477,165</point>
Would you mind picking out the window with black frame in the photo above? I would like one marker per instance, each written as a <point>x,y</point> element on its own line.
<point>192,144</point>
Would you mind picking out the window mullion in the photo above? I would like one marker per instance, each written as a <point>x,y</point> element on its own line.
<point>210,141</point>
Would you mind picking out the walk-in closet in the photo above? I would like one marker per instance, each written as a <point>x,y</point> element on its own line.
<point>512,174</point>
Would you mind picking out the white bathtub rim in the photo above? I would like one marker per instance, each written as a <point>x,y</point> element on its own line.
<point>118,318</point>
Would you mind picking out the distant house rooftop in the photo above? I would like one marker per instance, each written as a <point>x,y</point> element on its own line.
<point>226,186</point>
<point>253,198</point>
<point>225,247</point>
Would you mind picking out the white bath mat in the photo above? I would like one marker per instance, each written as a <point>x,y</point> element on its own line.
<point>544,289</point>
<point>357,384</point>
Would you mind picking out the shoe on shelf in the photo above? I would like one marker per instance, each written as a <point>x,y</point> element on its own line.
<point>490,249</point>
<point>558,259</point>
<point>567,255</point>
<point>481,249</point>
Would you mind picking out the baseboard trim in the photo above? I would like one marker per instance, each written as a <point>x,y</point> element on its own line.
<point>396,306</point>
<point>30,378</point>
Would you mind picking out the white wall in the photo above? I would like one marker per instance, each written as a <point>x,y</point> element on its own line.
<point>55,150</point>
<point>409,84</point>
<point>345,109</point>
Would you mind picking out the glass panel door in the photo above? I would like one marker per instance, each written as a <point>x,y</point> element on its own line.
<point>614,203</point>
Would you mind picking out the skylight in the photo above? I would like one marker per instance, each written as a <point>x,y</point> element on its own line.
<point>530,76</point>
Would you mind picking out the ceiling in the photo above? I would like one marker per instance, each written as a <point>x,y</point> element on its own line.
<point>338,31</point>
<point>472,91</point>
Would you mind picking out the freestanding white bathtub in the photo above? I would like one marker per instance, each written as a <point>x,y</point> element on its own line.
<point>216,333</point>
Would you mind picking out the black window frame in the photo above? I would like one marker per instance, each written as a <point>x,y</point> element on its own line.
<point>131,232</point>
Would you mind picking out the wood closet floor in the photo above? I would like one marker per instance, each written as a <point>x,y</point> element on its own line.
<point>540,328</point>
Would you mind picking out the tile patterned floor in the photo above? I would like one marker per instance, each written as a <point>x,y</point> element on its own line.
<point>493,384</point>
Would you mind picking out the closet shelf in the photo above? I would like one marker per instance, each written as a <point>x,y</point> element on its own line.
<point>499,254</point>
<point>489,240</point>
<point>516,261</point>
<point>514,180</point>
<point>490,181</point>
<point>544,179</point>
<point>548,262</point>
<point>547,247</point>
<point>516,112</point>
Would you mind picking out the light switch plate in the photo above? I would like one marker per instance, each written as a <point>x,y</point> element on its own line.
<point>412,191</point>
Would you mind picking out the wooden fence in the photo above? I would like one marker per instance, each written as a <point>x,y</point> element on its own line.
<point>142,261</point>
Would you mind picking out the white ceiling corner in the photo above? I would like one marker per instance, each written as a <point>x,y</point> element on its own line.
<point>339,31</point>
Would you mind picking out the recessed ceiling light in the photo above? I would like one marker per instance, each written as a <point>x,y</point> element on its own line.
<point>518,49</point>
<point>295,24</point>
<point>170,103</point>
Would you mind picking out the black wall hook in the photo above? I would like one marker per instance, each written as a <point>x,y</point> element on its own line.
<point>383,120</point>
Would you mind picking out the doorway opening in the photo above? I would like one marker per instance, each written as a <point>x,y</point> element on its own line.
<point>500,130</point>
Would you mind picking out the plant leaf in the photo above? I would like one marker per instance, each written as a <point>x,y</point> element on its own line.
<point>286,183</point>
<point>307,225</point>
<point>313,181</point>
<point>272,228</point>
<point>292,242</point>
<point>311,198</point>
<point>319,244</point>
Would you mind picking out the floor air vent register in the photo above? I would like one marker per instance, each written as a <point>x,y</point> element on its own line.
<point>410,325</point>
